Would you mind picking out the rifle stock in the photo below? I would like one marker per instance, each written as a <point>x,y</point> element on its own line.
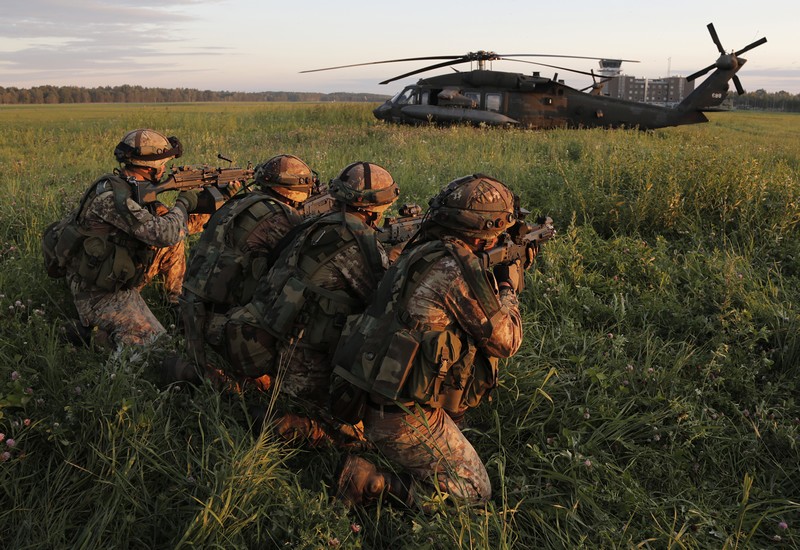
<point>183,178</point>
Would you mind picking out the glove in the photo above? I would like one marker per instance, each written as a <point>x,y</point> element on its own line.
<point>508,275</point>
<point>189,199</point>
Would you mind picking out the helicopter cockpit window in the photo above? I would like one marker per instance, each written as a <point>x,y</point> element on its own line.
<point>494,102</point>
<point>474,96</point>
<point>423,98</point>
<point>406,97</point>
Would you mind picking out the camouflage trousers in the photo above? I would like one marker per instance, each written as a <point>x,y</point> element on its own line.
<point>123,314</point>
<point>169,263</point>
<point>429,446</point>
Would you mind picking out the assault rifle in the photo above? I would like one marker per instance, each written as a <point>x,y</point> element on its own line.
<point>400,228</point>
<point>520,243</point>
<point>318,203</point>
<point>220,183</point>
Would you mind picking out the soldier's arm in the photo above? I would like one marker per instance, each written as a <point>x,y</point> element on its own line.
<point>159,231</point>
<point>497,337</point>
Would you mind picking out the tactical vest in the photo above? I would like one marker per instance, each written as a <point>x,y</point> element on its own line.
<point>105,258</point>
<point>290,306</point>
<point>221,270</point>
<point>393,358</point>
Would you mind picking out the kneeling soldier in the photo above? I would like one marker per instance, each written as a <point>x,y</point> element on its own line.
<point>232,254</point>
<point>108,245</point>
<point>328,271</point>
<point>427,349</point>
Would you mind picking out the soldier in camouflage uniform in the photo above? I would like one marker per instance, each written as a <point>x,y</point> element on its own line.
<point>427,349</point>
<point>116,240</point>
<point>232,254</point>
<point>328,271</point>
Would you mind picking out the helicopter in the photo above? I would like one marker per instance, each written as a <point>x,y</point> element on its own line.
<point>495,98</point>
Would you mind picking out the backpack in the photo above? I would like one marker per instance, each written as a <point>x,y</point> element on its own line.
<point>220,270</point>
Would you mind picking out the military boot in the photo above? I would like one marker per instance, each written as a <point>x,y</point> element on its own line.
<point>361,483</point>
<point>175,368</point>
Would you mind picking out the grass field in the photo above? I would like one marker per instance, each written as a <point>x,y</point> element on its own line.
<point>654,403</point>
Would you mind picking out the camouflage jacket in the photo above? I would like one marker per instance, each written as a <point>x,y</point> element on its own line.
<point>112,234</point>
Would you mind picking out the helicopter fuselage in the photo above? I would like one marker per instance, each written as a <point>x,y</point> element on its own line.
<point>530,101</point>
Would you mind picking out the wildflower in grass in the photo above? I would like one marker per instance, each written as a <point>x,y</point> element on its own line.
<point>11,443</point>
<point>15,376</point>
<point>2,437</point>
<point>333,542</point>
<point>587,463</point>
<point>29,391</point>
<point>783,525</point>
<point>5,456</point>
<point>355,527</point>
<point>27,422</point>
<point>651,370</point>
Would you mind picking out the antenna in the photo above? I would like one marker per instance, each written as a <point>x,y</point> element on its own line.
<point>669,67</point>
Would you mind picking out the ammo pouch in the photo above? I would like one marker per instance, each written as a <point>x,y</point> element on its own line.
<point>281,317</point>
<point>110,266</point>
<point>482,381</point>
<point>443,371</point>
<point>348,402</point>
<point>61,241</point>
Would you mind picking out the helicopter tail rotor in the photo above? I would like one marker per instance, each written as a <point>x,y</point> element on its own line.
<point>726,61</point>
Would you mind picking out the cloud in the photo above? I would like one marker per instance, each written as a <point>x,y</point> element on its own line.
<point>53,41</point>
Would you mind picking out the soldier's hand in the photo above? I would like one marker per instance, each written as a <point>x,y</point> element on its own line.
<point>189,199</point>
<point>160,208</point>
<point>508,275</point>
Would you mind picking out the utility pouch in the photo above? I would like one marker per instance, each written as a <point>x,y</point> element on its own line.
<point>440,350</point>
<point>348,402</point>
<point>284,312</point>
<point>193,312</point>
<point>397,364</point>
<point>483,380</point>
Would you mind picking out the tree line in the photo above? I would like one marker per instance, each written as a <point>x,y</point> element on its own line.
<point>758,100</point>
<point>141,94</point>
<point>762,100</point>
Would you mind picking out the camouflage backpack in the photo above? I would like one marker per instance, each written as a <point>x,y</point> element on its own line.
<point>289,306</point>
<point>390,357</point>
<point>220,269</point>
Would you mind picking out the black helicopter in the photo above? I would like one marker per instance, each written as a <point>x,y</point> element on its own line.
<point>497,98</point>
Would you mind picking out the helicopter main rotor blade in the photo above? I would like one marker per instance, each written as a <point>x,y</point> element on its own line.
<point>715,38</point>
<point>551,66</point>
<point>738,85</point>
<point>564,56</point>
<point>751,46</point>
<point>428,58</point>
<point>700,73</point>
<point>428,68</point>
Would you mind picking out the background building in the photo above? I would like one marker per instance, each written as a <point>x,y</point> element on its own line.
<point>669,90</point>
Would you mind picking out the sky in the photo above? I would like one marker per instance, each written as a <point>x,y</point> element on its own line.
<point>261,45</point>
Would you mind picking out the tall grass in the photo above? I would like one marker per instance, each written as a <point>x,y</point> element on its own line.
<point>653,404</point>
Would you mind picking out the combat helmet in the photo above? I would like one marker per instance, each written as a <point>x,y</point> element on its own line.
<point>287,176</point>
<point>145,147</point>
<point>364,186</point>
<point>475,206</point>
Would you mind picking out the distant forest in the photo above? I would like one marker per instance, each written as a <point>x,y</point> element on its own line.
<point>758,100</point>
<point>140,94</point>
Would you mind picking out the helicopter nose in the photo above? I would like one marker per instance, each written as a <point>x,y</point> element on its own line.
<point>382,112</point>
